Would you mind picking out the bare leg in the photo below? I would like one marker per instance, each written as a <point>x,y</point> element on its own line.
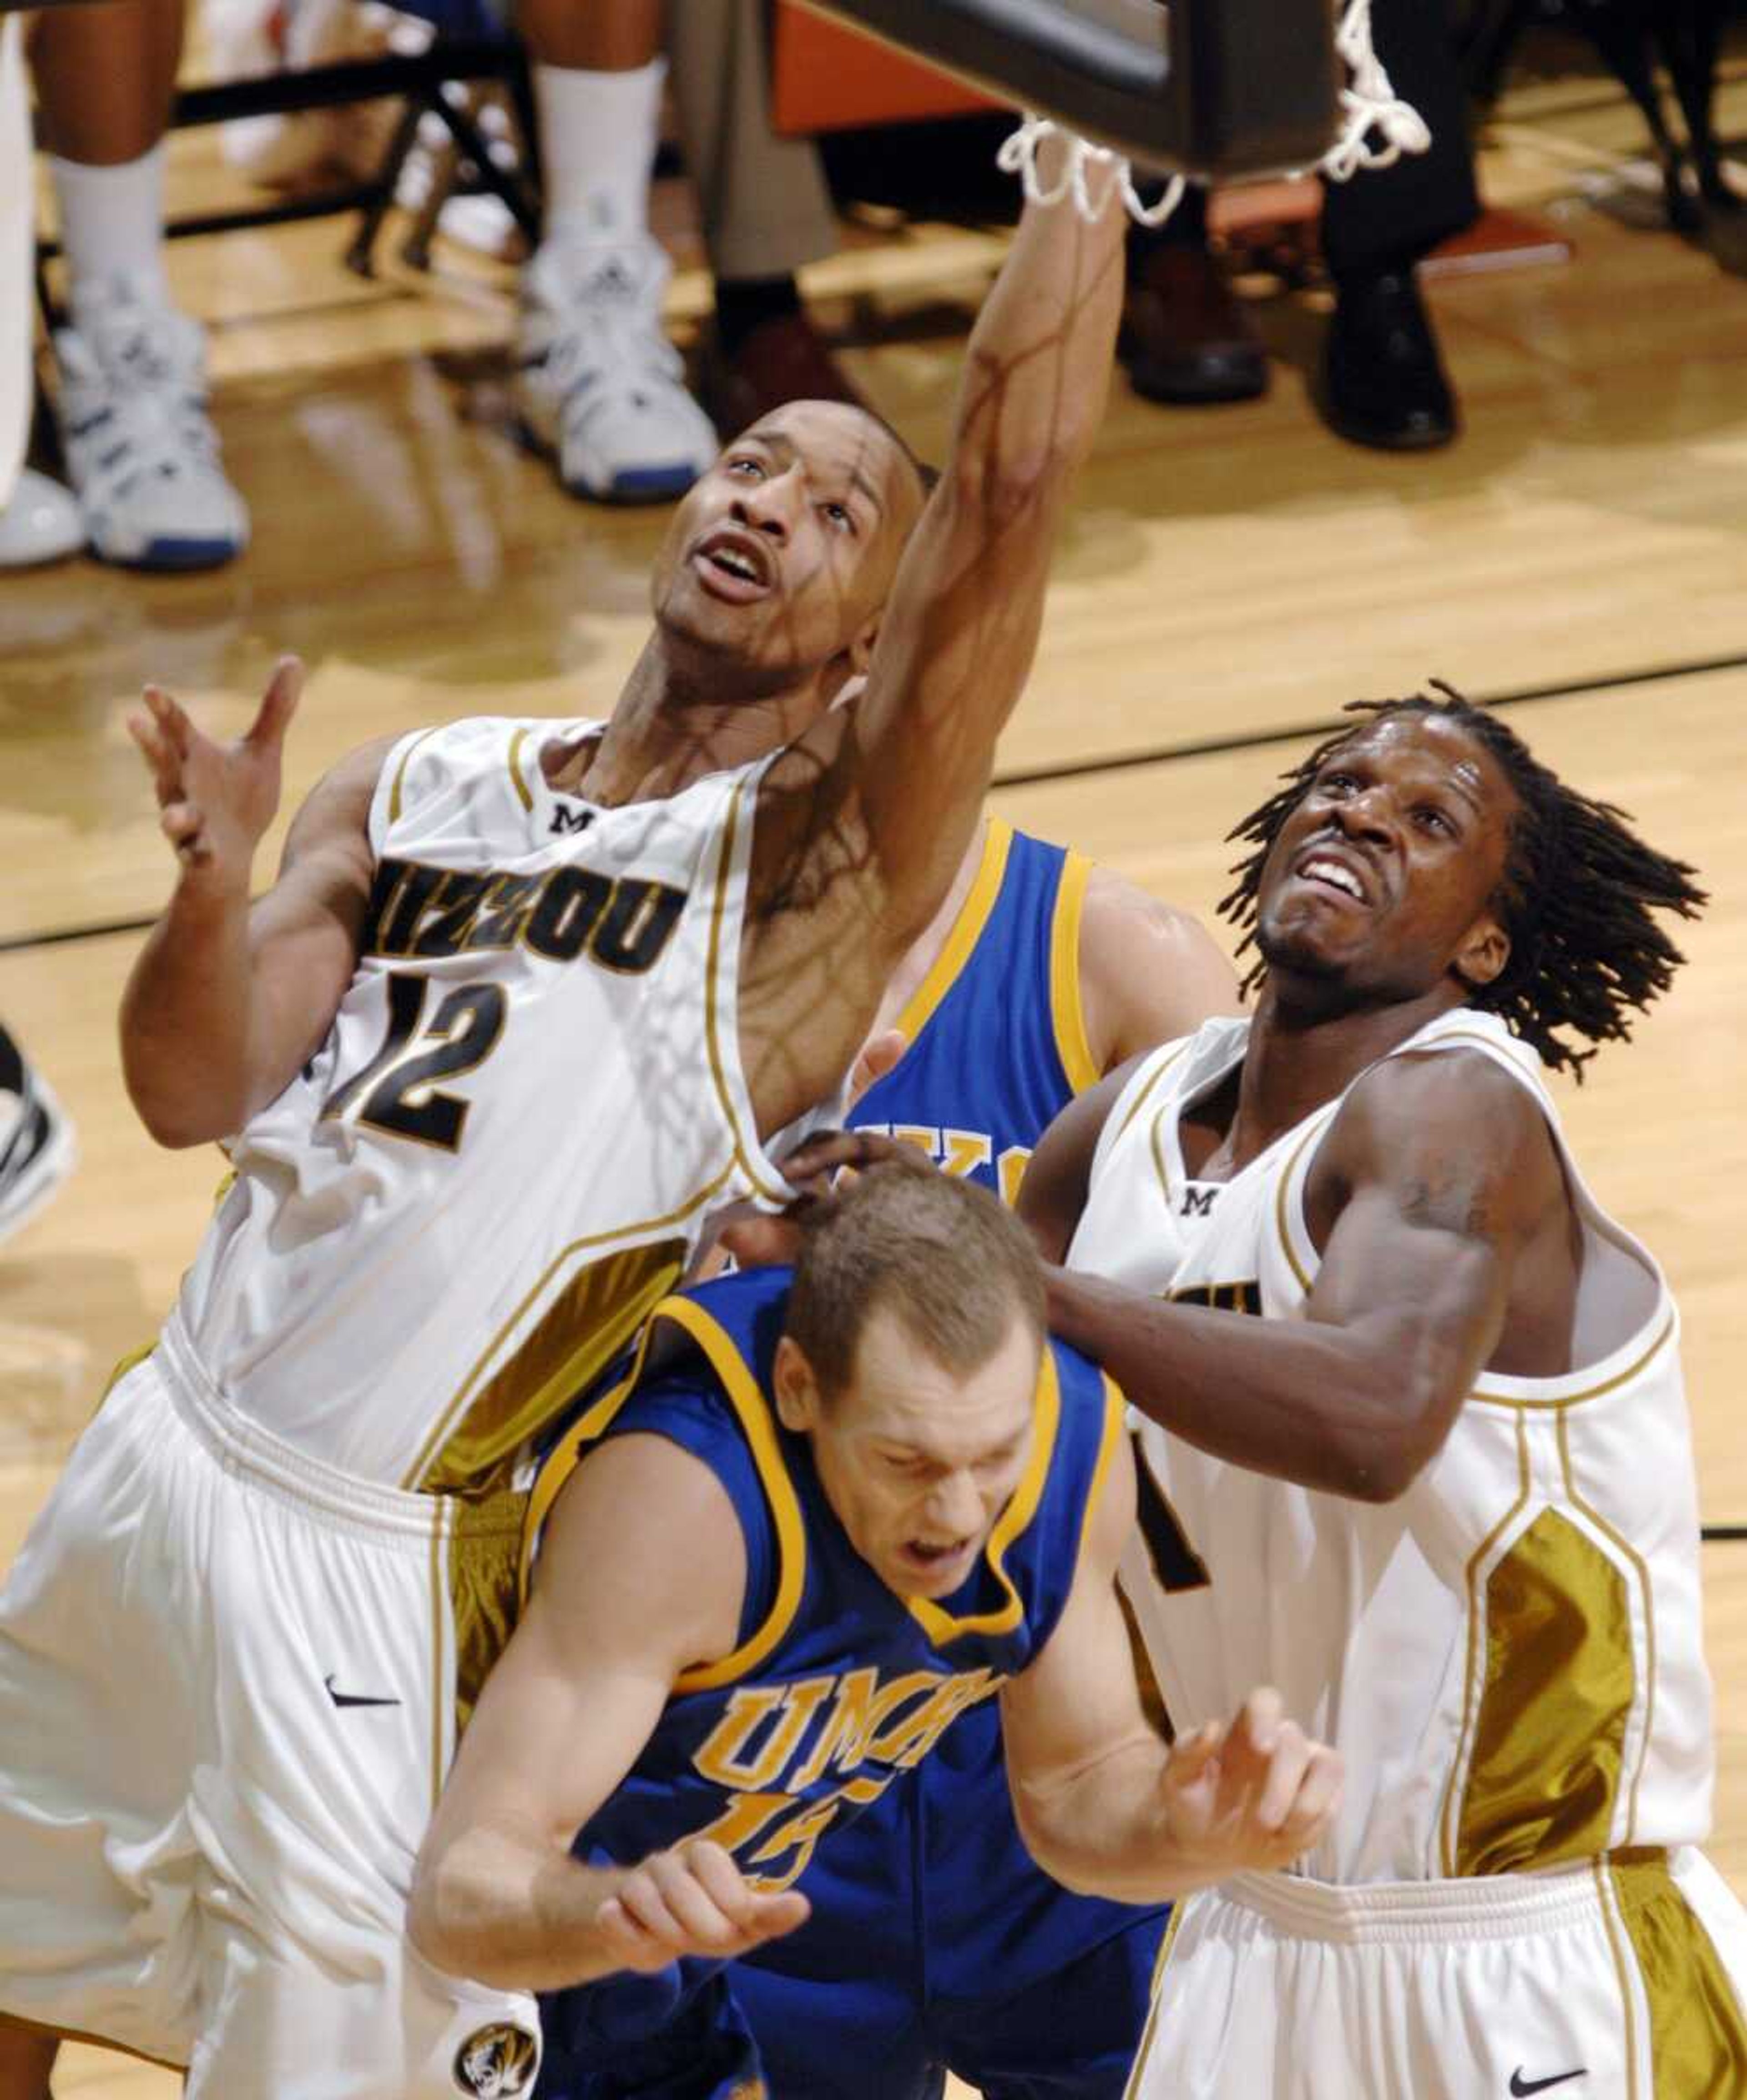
<point>105,75</point>
<point>27,2057</point>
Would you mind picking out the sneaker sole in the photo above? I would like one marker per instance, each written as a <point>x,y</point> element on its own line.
<point>176,555</point>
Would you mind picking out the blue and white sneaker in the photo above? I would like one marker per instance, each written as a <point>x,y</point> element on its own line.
<point>141,451</point>
<point>597,380</point>
<point>37,1150</point>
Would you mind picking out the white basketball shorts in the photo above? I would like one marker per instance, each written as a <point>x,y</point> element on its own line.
<point>1616,1979</point>
<point>227,1681</point>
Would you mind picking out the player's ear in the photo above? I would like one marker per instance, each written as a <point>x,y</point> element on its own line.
<point>796,1390</point>
<point>1485,949</point>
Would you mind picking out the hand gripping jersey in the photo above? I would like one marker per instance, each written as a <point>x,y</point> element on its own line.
<point>499,1158</point>
<point>837,1686</point>
<point>1508,1655</point>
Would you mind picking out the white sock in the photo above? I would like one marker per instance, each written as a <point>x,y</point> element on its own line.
<point>598,135</point>
<point>112,219</point>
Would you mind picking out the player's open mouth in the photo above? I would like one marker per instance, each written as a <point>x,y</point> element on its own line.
<point>733,565</point>
<point>932,1559</point>
<point>1332,872</point>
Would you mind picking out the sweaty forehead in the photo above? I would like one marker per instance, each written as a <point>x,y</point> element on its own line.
<point>1437,745</point>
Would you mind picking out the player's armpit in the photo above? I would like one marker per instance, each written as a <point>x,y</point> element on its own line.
<point>1052,1195</point>
<point>642,1572</point>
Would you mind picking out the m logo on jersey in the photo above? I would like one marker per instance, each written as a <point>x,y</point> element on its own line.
<point>1198,1202</point>
<point>498,2062</point>
<point>569,820</point>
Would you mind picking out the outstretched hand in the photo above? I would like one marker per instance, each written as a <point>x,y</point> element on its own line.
<point>692,1900</point>
<point>215,800</point>
<point>1251,1795</point>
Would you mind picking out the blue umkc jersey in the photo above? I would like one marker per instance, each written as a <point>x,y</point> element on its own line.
<point>996,1043</point>
<point>836,1684</point>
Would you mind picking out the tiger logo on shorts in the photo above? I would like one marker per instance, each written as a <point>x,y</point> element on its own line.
<point>498,2062</point>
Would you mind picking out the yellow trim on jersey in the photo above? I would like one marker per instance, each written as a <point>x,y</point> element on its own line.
<point>1561,1681</point>
<point>1116,1411</point>
<point>124,1365</point>
<point>399,772</point>
<point>439,1433</point>
<point>1698,2042</point>
<point>712,964</point>
<point>967,930</point>
<point>1022,1506</point>
<point>1179,1910</point>
<point>516,742</point>
<point>1641,1569</point>
<point>1066,1009</point>
<point>580,1332</point>
<point>1282,1223</point>
<point>1561,1400</point>
<point>564,1458</point>
<point>1139,1100</point>
<point>1451,1799</point>
<point>759,1424</point>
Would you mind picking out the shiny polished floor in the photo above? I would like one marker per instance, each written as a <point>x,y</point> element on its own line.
<point>1228,579</point>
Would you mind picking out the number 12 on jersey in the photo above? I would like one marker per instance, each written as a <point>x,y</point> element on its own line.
<point>396,1091</point>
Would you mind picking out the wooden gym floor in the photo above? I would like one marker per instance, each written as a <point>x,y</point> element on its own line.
<point>1229,578</point>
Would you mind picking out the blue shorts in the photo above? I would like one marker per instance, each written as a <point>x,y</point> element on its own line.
<point>936,1943</point>
<point>677,2036</point>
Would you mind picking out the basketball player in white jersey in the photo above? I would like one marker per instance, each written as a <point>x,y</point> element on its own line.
<point>527,1000</point>
<point>1441,1491</point>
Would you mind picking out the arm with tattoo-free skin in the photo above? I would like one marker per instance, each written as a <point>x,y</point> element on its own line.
<point>1103,1803</point>
<point>229,996</point>
<point>863,822</point>
<point>642,1572</point>
<point>1149,972</point>
<point>1441,1215</point>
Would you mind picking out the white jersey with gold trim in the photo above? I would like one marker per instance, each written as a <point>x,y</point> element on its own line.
<point>500,1156</point>
<point>1509,1655</point>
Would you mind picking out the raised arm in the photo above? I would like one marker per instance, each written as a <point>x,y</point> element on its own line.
<point>1102,1803</point>
<point>229,997</point>
<point>642,1572</point>
<point>1441,1211</point>
<point>960,632</point>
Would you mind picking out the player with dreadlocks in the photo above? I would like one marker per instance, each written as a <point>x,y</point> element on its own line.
<point>1441,1491</point>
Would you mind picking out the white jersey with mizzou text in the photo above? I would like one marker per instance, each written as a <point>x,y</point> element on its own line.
<point>1509,1655</point>
<point>500,1157</point>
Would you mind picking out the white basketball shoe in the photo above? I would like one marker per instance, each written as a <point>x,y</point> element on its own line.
<point>141,450</point>
<point>36,1150</point>
<point>597,380</point>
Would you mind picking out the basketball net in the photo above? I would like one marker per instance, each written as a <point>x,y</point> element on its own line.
<point>1377,128</point>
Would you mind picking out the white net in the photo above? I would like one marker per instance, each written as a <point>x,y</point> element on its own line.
<point>1377,128</point>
